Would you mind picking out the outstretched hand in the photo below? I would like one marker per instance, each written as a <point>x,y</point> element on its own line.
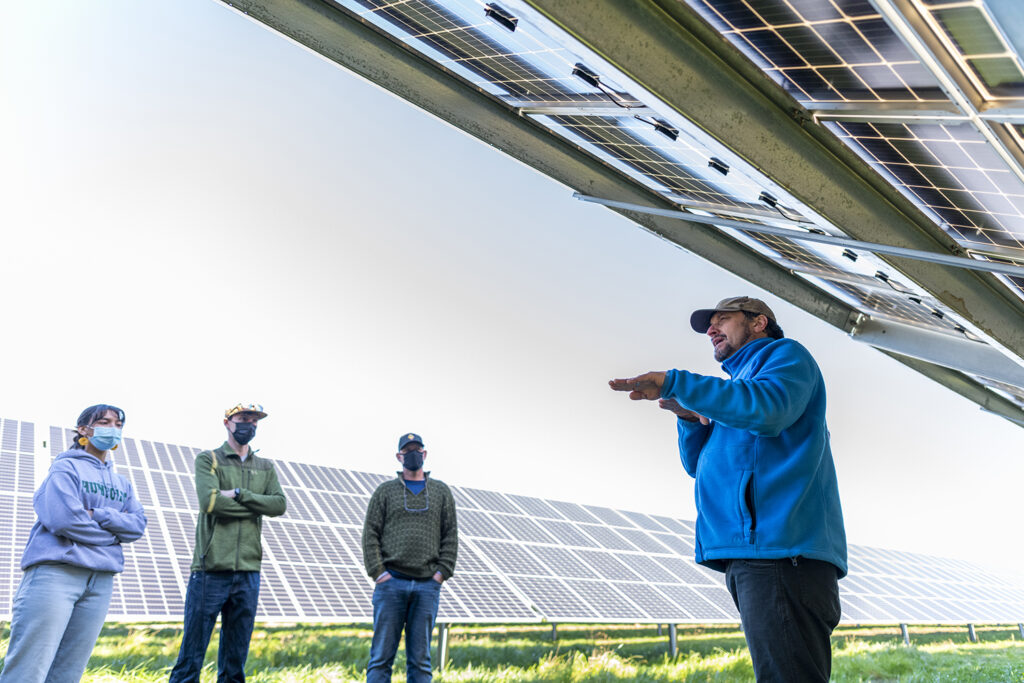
<point>671,405</point>
<point>646,387</point>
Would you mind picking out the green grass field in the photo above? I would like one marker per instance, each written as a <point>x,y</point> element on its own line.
<point>301,653</point>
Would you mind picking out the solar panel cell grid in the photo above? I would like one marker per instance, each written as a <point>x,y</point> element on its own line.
<point>950,171</point>
<point>605,599</point>
<point>653,603</point>
<point>606,537</point>
<point>677,543</point>
<point>554,598</point>
<point>694,604</point>
<point>678,168</point>
<point>572,511</point>
<point>521,528</point>
<point>567,534</point>
<point>563,562</point>
<point>512,558</point>
<point>491,500</point>
<point>489,597</point>
<point>535,507</point>
<point>719,597</point>
<point>643,540</point>
<point>641,520</point>
<point>369,481</point>
<point>607,566</point>
<point>823,52</point>
<point>685,571</point>
<point>478,523</point>
<point>517,67</point>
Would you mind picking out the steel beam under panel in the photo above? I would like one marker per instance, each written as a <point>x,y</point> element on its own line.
<point>939,348</point>
<point>672,53</point>
<point>989,401</point>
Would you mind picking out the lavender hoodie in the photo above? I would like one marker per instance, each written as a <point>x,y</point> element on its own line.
<point>64,533</point>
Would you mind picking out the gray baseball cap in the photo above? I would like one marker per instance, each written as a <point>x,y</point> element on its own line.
<point>700,320</point>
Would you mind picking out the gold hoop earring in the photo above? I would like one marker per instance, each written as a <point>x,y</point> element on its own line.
<point>115,447</point>
<point>82,441</point>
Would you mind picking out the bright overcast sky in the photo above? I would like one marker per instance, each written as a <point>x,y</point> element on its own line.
<point>197,212</point>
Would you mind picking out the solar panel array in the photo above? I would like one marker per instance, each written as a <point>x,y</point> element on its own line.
<point>521,559</point>
<point>846,60</point>
<point>17,477</point>
<point>865,65</point>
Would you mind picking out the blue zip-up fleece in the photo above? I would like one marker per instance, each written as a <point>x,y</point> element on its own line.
<point>64,532</point>
<point>766,483</point>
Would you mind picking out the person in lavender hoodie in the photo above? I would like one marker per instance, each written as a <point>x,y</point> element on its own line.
<point>85,512</point>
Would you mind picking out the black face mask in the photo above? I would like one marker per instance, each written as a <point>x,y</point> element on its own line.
<point>244,431</point>
<point>412,460</point>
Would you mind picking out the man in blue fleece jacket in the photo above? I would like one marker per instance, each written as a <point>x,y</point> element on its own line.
<point>768,511</point>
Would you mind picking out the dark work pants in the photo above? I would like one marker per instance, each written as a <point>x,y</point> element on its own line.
<point>788,608</point>
<point>232,595</point>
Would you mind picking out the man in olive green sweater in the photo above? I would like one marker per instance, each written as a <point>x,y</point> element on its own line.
<point>410,542</point>
<point>235,489</point>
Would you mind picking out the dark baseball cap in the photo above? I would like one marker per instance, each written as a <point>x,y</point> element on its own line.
<point>409,438</point>
<point>700,320</point>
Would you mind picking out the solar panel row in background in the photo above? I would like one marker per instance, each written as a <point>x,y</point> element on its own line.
<point>17,477</point>
<point>521,559</point>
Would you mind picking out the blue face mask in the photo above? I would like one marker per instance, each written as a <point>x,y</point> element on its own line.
<point>105,438</point>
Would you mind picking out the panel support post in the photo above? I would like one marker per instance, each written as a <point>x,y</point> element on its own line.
<point>554,631</point>
<point>673,645</point>
<point>1020,629</point>
<point>659,629</point>
<point>906,634</point>
<point>971,634</point>
<point>442,646</point>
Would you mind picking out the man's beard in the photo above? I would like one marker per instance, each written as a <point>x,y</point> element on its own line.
<point>725,350</point>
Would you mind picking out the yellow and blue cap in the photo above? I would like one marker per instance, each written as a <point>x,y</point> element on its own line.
<point>245,408</point>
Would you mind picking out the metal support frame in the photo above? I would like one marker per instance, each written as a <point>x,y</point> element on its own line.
<point>442,645</point>
<point>673,643</point>
<point>972,635</point>
<point>554,631</point>
<point>659,629</point>
<point>906,634</point>
<point>1020,630</point>
<point>940,348</point>
<point>804,236</point>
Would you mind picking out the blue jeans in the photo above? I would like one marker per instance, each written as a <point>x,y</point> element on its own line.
<point>233,595</point>
<point>57,615</point>
<point>788,609</point>
<point>397,604</point>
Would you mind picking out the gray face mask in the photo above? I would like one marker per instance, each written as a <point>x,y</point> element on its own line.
<point>412,460</point>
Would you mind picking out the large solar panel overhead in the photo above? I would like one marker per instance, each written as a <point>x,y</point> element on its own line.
<point>521,559</point>
<point>892,122</point>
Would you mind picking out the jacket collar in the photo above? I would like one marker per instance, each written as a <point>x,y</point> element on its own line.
<point>743,354</point>
<point>227,451</point>
<point>426,475</point>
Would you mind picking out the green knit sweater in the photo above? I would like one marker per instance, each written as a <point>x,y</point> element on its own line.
<point>396,536</point>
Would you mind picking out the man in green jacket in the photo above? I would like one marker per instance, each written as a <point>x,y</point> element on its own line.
<point>410,541</point>
<point>235,489</point>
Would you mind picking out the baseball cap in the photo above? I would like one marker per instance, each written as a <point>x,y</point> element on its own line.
<point>408,439</point>
<point>700,320</point>
<point>245,408</point>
